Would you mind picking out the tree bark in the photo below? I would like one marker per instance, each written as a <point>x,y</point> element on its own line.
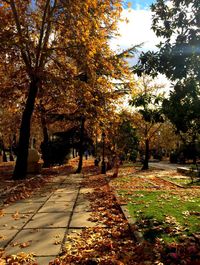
<point>73,149</point>
<point>45,142</point>
<point>146,159</point>
<point>194,151</point>
<point>4,156</point>
<point>44,129</point>
<point>20,170</point>
<point>80,163</point>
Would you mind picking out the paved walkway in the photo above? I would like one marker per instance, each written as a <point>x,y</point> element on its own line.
<point>166,165</point>
<point>40,224</point>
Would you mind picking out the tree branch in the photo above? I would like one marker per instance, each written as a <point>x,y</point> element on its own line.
<point>41,34</point>
<point>156,130</point>
<point>19,30</point>
<point>47,34</point>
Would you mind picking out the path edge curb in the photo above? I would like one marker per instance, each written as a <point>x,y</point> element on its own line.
<point>131,221</point>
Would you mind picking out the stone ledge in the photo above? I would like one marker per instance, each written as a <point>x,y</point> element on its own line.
<point>132,224</point>
<point>188,171</point>
<point>131,221</point>
<point>183,170</point>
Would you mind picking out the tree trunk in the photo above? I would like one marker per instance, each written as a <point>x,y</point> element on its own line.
<point>80,163</point>
<point>73,152</point>
<point>44,145</point>
<point>194,151</point>
<point>4,156</point>
<point>22,152</point>
<point>73,149</point>
<point>146,159</point>
<point>44,129</point>
<point>4,153</point>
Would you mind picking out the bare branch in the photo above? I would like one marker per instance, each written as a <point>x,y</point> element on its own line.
<point>19,30</point>
<point>47,34</point>
<point>41,34</point>
<point>28,51</point>
<point>156,130</point>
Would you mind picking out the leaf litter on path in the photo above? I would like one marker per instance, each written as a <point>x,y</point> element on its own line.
<point>109,244</point>
<point>112,244</point>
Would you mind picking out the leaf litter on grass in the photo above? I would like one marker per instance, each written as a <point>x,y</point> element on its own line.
<point>175,197</point>
<point>112,243</point>
<point>109,244</point>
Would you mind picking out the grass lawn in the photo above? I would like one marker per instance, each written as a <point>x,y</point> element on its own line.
<point>167,215</point>
<point>184,181</point>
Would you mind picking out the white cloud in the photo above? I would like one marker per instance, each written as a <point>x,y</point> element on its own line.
<point>137,31</point>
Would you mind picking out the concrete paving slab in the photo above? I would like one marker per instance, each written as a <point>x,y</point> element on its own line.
<point>67,176</point>
<point>82,204</point>
<point>74,231</point>
<point>76,180</point>
<point>73,180</point>
<point>54,207</point>
<point>6,236</point>
<point>53,182</point>
<point>66,190</point>
<point>71,233</point>
<point>82,198</point>
<point>42,193</point>
<point>13,221</point>
<point>66,181</point>
<point>74,176</point>
<point>58,179</point>
<point>21,207</point>
<point>80,220</point>
<point>86,190</point>
<point>44,260</point>
<point>51,187</point>
<point>82,207</point>
<point>49,220</point>
<point>69,186</point>
<point>37,198</point>
<point>39,241</point>
<point>65,197</point>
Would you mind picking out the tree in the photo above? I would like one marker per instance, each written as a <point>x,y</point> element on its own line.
<point>182,109</point>
<point>96,65</point>
<point>55,40</point>
<point>165,139</point>
<point>177,22</point>
<point>147,104</point>
<point>32,27</point>
<point>122,136</point>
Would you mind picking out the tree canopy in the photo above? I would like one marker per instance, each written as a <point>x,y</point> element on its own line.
<point>177,22</point>
<point>147,103</point>
<point>59,59</point>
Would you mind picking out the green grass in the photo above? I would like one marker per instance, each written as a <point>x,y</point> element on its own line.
<point>129,163</point>
<point>130,179</point>
<point>186,182</point>
<point>164,214</point>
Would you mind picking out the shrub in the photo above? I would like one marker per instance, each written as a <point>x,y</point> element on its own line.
<point>55,152</point>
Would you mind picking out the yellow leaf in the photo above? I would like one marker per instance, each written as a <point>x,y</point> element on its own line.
<point>129,4</point>
<point>24,245</point>
<point>1,213</point>
<point>15,215</point>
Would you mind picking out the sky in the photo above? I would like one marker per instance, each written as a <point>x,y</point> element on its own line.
<point>141,4</point>
<point>138,30</point>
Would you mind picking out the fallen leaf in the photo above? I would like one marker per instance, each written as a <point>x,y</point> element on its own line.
<point>16,216</point>
<point>24,244</point>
